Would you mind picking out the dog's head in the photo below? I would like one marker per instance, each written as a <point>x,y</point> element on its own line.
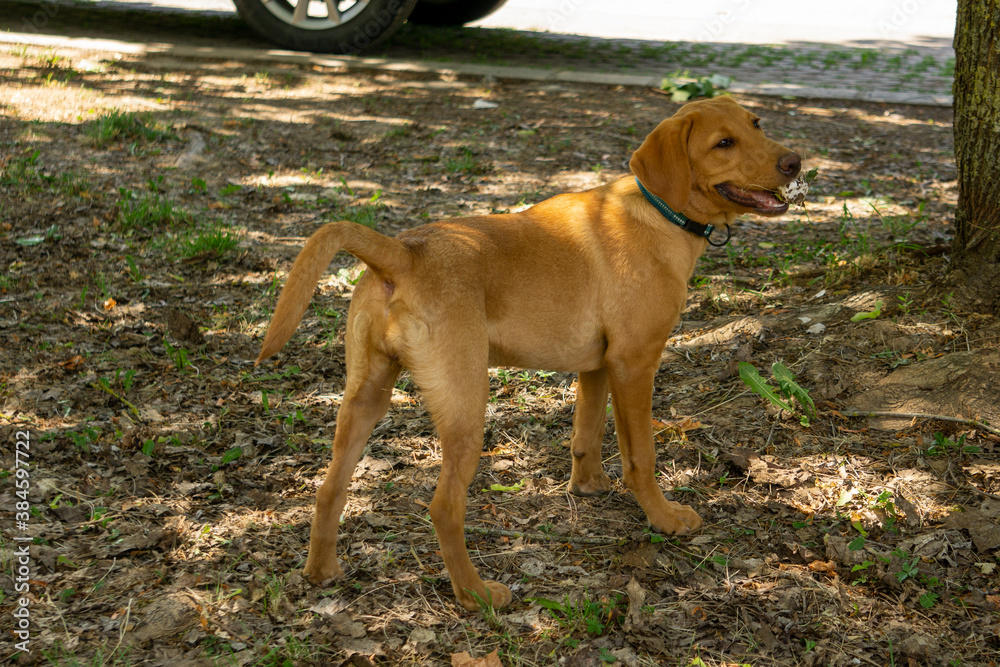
<point>711,158</point>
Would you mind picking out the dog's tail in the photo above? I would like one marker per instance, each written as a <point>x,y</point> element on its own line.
<point>384,254</point>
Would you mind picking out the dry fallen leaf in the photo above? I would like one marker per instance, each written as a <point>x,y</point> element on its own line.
<point>674,429</point>
<point>829,566</point>
<point>72,363</point>
<point>636,597</point>
<point>463,659</point>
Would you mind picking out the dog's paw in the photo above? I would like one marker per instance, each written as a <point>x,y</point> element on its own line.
<point>495,595</point>
<point>679,521</point>
<point>318,572</point>
<point>595,485</point>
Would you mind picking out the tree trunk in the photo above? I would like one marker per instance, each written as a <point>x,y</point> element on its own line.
<point>976,247</point>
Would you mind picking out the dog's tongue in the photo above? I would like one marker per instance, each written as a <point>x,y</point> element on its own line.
<point>763,202</point>
<point>762,198</point>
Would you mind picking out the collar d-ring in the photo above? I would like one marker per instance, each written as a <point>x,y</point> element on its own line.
<point>682,221</point>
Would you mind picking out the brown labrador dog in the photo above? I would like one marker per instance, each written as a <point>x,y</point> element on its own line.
<point>591,282</point>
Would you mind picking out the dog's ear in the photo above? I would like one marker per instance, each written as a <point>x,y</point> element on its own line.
<point>662,163</point>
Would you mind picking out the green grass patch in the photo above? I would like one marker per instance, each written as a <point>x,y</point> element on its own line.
<point>467,163</point>
<point>118,125</point>
<point>585,616</point>
<point>26,174</point>
<point>149,211</point>
<point>367,213</point>
<point>213,243</point>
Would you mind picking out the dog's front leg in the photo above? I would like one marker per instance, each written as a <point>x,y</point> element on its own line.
<point>632,400</point>
<point>589,418</point>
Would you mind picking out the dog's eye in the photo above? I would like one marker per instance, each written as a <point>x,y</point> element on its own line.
<point>756,123</point>
<point>725,143</point>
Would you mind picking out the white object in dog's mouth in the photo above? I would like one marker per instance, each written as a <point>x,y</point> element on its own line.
<point>793,193</point>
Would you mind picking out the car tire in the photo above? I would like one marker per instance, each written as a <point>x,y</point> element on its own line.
<point>453,12</point>
<point>362,24</point>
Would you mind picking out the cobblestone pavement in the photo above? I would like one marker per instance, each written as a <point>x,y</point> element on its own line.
<point>927,71</point>
<point>917,73</point>
<point>897,72</point>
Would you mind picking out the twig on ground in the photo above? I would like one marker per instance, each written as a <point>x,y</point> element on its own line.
<point>968,486</point>
<point>854,412</point>
<point>103,387</point>
<point>100,582</point>
<point>542,537</point>
<point>122,629</point>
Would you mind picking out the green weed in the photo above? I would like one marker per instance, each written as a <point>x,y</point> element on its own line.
<point>905,303</point>
<point>125,125</point>
<point>948,307</point>
<point>944,445</point>
<point>149,211</point>
<point>789,388</point>
<point>467,163</point>
<point>908,568</point>
<point>51,234</point>
<point>85,437</point>
<point>594,617</point>
<point>101,282</point>
<point>291,418</point>
<point>706,86</point>
<point>213,243</point>
<point>124,381</point>
<point>884,505</point>
<point>928,599</point>
<point>133,271</point>
<point>25,173</point>
<point>8,282</point>
<point>900,226</point>
<point>872,314</point>
<point>178,355</point>
<point>367,214</point>
<point>231,455</point>
<point>117,656</point>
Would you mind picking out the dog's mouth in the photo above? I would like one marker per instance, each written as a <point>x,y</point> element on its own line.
<point>763,202</point>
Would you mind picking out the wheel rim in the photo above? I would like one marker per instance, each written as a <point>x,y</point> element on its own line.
<point>316,14</point>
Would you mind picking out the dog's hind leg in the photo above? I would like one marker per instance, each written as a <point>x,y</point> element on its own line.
<point>590,416</point>
<point>370,378</point>
<point>452,376</point>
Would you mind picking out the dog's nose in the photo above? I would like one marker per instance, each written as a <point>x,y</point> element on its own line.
<point>790,164</point>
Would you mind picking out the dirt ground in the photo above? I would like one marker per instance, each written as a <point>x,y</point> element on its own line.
<point>171,482</point>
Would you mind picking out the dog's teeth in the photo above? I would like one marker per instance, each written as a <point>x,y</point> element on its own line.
<point>793,193</point>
